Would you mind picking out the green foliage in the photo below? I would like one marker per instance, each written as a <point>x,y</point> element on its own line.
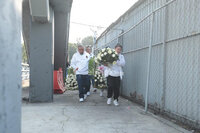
<point>24,54</point>
<point>87,41</point>
<point>91,66</point>
<point>70,71</point>
<point>72,48</point>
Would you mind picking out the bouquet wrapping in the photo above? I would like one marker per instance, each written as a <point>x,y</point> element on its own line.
<point>71,81</point>
<point>107,56</point>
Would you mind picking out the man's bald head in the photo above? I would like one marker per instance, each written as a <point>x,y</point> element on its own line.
<point>80,49</point>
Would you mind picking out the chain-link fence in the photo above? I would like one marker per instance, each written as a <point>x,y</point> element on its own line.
<point>161,45</point>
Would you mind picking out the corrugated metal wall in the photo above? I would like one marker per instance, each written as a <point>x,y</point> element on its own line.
<point>170,31</point>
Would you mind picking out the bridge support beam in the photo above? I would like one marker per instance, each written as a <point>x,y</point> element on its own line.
<point>61,40</point>
<point>10,64</point>
<point>42,60</point>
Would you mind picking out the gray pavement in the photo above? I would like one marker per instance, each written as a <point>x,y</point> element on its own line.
<point>67,115</point>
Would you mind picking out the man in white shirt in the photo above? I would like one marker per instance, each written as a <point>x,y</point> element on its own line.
<point>89,51</point>
<point>79,63</point>
<point>114,73</point>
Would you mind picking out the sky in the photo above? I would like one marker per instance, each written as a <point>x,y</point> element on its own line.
<point>97,13</point>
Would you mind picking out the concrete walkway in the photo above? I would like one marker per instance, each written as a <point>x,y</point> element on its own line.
<point>67,115</point>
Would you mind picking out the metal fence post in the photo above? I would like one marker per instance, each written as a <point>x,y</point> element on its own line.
<point>164,58</point>
<point>149,62</point>
<point>120,40</point>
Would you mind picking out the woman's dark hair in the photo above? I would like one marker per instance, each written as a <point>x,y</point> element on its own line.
<point>118,45</point>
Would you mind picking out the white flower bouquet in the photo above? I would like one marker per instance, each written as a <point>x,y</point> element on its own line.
<point>99,79</point>
<point>71,81</point>
<point>107,56</point>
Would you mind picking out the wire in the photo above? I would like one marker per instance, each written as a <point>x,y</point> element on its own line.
<point>88,25</point>
<point>99,27</point>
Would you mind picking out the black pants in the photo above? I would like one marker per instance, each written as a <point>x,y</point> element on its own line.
<point>83,84</point>
<point>113,84</point>
<point>91,81</point>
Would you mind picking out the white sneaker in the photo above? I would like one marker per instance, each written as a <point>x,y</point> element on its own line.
<point>109,101</point>
<point>95,90</point>
<point>81,99</point>
<point>85,96</point>
<point>101,93</point>
<point>115,102</point>
<point>88,93</point>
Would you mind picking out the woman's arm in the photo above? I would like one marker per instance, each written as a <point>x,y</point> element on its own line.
<point>121,61</point>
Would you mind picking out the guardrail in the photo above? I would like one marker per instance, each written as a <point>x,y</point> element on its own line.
<point>25,71</point>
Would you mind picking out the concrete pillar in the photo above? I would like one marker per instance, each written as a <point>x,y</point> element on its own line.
<point>10,66</point>
<point>61,39</point>
<point>42,60</point>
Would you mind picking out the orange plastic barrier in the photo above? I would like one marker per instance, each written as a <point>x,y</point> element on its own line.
<point>58,82</point>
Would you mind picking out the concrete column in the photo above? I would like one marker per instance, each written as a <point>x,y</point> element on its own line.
<point>10,66</point>
<point>61,39</point>
<point>42,60</point>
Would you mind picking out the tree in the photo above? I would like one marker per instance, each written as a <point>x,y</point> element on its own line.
<point>24,54</point>
<point>72,48</point>
<point>87,41</point>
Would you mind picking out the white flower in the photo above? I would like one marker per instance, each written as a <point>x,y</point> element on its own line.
<point>95,60</point>
<point>102,55</point>
<point>108,48</point>
<point>105,53</point>
<point>110,51</point>
<point>113,55</point>
<point>103,50</point>
<point>99,58</point>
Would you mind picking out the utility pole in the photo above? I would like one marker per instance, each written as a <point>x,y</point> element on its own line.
<point>94,38</point>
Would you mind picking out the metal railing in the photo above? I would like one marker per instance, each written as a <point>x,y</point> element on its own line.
<point>25,71</point>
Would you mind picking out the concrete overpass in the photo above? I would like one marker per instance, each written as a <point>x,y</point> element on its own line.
<point>45,26</point>
<point>45,32</point>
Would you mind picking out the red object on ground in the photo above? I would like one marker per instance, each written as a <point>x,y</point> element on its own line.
<point>58,82</point>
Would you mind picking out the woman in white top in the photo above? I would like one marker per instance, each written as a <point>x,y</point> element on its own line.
<point>114,74</point>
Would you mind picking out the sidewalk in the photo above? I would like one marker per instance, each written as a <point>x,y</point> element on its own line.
<point>67,115</point>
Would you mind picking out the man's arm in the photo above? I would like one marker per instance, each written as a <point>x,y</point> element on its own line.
<point>73,62</point>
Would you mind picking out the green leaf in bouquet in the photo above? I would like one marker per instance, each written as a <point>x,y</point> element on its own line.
<point>70,71</point>
<point>91,66</point>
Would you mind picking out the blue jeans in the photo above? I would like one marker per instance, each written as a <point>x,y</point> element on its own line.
<point>83,84</point>
<point>91,80</point>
